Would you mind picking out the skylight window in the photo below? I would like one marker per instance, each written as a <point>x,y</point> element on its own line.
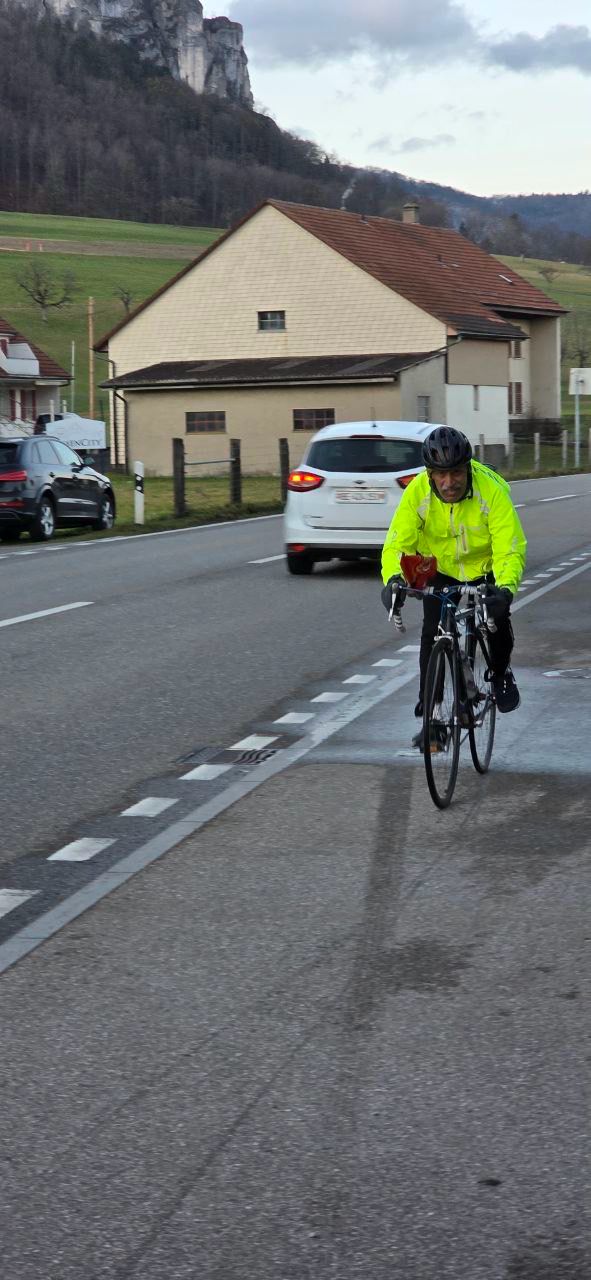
<point>507,279</point>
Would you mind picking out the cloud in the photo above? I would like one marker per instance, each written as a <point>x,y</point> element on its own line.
<point>559,48</point>
<point>414,33</point>
<point>305,31</point>
<point>426,144</point>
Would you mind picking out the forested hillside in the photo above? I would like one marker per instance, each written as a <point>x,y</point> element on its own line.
<point>89,129</point>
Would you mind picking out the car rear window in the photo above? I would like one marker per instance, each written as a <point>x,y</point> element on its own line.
<point>9,451</point>
<point>367,454</point>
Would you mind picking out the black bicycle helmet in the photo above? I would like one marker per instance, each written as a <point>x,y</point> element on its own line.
<point>445,448</point>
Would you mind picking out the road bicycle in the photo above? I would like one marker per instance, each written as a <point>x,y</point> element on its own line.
<point>458,698</point>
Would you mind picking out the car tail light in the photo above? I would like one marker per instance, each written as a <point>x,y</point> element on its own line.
<point>302,481</point>
<point>13,476</point>
<point>403,481</point>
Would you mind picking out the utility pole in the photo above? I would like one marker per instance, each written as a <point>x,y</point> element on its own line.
<point>91,357</point>
<point>73,371</point>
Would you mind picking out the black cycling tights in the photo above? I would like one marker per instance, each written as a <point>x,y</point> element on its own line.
<point>501,640</point>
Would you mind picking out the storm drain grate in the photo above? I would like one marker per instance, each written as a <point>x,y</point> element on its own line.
<point>246,757</point>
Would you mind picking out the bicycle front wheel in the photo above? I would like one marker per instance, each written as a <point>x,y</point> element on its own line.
<point>441,723</point>
<point>484,712</point>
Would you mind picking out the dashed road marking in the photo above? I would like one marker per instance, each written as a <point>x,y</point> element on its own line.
<point>12,898</point>
<point>295,717</point>
<point>151,807</point>
<point>358,679</point>
<point>80,850</point>
<point>45,613</point>
<point>206,772</point>
<point>388,662</point>
<point>254,742</point>
<point>560,497</point>
<point>410,648</point>
<point>329,697</point>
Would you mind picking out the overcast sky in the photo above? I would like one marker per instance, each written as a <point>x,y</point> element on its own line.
<point>488,97</point>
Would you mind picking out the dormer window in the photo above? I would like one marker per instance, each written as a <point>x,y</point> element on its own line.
<point>271,321</point>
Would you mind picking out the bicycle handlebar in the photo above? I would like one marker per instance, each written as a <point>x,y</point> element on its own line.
<point>443,594</point>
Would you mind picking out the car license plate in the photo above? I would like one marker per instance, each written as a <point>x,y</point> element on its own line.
<point>360,495</point>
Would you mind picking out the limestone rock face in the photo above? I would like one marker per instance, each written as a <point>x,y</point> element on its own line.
<point>206,52</point>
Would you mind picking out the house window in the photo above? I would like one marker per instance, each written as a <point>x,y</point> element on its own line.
<point>423,408</point>
<point>271,320</point>
<point>209,420</point>
<point>515,397</point>
<point>312,419</point>
<point>476,398</point>
<point>516,349</point>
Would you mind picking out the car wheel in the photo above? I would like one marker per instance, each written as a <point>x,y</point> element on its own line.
<point>299,563</point>
<point>43,526</point>
<point>106,516</point>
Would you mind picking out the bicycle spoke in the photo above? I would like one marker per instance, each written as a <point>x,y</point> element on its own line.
<point>441,728</point>
<point>484,710</point>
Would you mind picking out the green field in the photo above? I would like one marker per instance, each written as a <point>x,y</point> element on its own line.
<point>47,226</point>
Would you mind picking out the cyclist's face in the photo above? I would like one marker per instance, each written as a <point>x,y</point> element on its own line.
<point>451,485</point>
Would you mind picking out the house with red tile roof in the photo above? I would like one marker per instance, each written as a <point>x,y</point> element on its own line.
<point>300,316</point>
<point>30,380</point>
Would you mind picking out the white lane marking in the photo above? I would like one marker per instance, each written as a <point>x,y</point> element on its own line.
<point>80,850</point>
<point>268,559</point>
<point>388,662</point>
<point>148,808</point>
<point>585,557</point>
<point>527,582</point>
<point>45,613</point>
<point>12,898</point>
<point>253,742</point>
<point>24,553</point>
<point>50,922</point>
<point>206,772</point>
<point>410,648</point>
<point>295,717</point>
<point>329,697</point>
<point>542,575</point>
<point>358,680</point>
<point>554,568</point>
<point>518,505</point>
<point>560,497</point>
<point>192,528</point>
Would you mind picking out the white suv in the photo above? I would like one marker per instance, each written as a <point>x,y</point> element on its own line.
<point>342,497</point>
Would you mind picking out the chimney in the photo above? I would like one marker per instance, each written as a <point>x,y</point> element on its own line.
<point>410,213</point>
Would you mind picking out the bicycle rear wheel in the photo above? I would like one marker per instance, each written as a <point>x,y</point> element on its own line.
<point>481,734</point>
<point>441,724</point>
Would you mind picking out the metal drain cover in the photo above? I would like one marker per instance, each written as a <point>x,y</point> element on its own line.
<point>570,673</point>
<point>257,756</point>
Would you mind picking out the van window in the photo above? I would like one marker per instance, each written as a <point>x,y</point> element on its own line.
<point>368,454</point>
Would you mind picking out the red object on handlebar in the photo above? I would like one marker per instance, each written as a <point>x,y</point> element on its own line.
<point>418,570</point>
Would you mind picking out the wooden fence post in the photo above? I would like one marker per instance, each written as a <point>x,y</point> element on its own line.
<point>284,466</point>
<point>565,448</point>
<point>481,448</point>
<point>178,476</point>
<point>536,451</point>
<point>235,474</point>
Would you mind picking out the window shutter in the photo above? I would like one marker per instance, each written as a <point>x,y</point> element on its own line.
<point>518,397</point>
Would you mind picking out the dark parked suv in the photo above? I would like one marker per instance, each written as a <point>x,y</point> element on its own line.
<point>43,484</point>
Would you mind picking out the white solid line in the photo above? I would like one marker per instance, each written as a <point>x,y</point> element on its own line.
<point>268,559</point>
<point>388,662</point>
<point>358,680</point>
<point>295,717</point>
<point>11,898</point>
<point>253,742</point>
<point>549,586</point>
<point>80,850</point>
<point>165,533</point>
<point>206,772</point>
<point>410,648</point>
<point>518,505</point>
<point>559,497</point>
<point>329,697</point>
<point>148,808</point>
<point>45,613</point>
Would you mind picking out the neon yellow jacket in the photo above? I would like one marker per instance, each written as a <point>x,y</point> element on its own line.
<point>469,538</point>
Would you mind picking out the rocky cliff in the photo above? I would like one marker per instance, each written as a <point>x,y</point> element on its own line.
<point>206,52</point>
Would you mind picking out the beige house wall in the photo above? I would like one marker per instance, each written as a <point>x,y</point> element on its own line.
<point>258,418</point>
<point>332,307</point>
<point>478,363</point>
<point>423,380</point>
<point>544,363</point>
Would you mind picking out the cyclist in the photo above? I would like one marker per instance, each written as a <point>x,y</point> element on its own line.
<point>460,511</point>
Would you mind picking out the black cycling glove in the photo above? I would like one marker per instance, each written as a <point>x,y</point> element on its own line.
<point>389,591</point>
<point>498,602</point>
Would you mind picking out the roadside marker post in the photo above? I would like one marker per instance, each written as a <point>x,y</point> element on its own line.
<point>138,496</point>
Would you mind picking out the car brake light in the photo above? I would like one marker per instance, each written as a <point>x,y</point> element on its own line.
<point>403,481</point>
<point>13,476</point>
<point>301,481</point>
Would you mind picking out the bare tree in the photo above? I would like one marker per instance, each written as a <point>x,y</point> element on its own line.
<point>576,339</point>
<point>549,274</point>
<point>125,296</point>
<point>41,286</point>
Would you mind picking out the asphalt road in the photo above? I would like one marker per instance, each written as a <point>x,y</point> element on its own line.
<point>185,641</point>
<point>334,1033</point>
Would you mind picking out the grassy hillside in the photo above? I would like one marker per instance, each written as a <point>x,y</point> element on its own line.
<point>44,226</point>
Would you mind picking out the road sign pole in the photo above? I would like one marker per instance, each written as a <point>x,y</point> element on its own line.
<point>138,497</point>
<point>577,425</point>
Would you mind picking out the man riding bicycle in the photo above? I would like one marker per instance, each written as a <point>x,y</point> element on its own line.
<point>460,511</point>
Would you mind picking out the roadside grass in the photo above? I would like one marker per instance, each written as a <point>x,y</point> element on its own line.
<point>40,226</point>
<point>97,278</point>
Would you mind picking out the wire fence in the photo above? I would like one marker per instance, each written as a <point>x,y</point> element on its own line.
<point>540,452</point>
